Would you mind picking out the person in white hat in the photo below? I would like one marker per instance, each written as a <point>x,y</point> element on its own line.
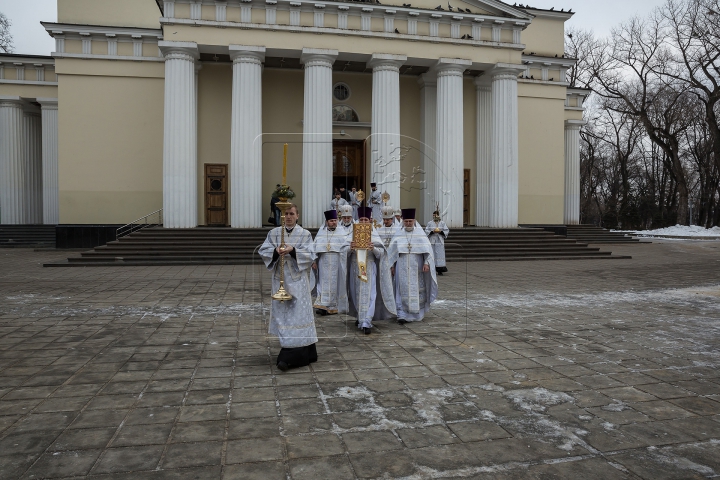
<point>389,227</point>
<point>398,218</point>
<point>346,218</point>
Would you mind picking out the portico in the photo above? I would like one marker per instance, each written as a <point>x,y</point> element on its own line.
<point>466,108</point>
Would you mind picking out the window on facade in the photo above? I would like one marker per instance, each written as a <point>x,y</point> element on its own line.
<point>343,113</point>
<point>341,92</point>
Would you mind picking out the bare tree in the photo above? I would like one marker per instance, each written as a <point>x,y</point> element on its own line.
<point>624,72</point>
<point>580,45</point>
<point>6,39</point>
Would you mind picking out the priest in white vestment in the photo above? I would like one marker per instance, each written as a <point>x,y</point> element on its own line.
<point>388,228</point>
<point>386,232</point>
<point>398,222</point>
<point>375,203</point>
<point>293,321</point>
<point>437,231</point>
<point>331,247</point>
<point>364,295</point>
<point>346,220</point>
<point>337,201</point>
<point>413,266</point>
<point>354,202</point>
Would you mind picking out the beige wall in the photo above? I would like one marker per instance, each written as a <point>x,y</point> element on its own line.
<point>110,142</point>
<point>282,100</point>
<point>116,13</point>
<point>541,164</point>
<point>214,119</point>
<point>545,36</point>
<point>28,91</point>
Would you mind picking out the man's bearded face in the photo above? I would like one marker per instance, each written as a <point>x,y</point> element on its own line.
<point>332,223</point>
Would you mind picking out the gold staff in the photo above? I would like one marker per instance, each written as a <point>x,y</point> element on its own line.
<point>282,295</point>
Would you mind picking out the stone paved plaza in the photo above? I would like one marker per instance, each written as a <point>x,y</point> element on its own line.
<point>604,369</point>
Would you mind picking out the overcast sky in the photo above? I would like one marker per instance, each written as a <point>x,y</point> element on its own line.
<point>598,15</point>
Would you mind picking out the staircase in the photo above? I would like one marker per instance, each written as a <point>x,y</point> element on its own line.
<point>226,246</point>
<point>27,236</point>
<point>483,244</point>
<point>593,234</point>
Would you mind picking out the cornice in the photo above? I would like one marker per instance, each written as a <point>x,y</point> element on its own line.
<point>342,32</point>
<point>64,28</point>
<point>380,10</point>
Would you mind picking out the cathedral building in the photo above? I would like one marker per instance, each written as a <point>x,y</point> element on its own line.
<point>185,106</point>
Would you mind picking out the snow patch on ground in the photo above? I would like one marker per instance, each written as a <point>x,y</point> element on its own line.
<point>679,231</point>
<point>537,399</point>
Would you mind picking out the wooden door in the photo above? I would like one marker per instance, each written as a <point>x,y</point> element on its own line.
<point>216,191</point>
<point>348,165</point>
<point>466,197</point>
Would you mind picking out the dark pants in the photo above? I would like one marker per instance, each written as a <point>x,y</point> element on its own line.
<point>298,357</point>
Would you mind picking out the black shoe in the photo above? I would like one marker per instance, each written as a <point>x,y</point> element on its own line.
<point>366,330</point>
<point>439,273</point>
<point>357,323</point>
<point>402,321</point>
<point>283,366</point>
<point>321,312</point>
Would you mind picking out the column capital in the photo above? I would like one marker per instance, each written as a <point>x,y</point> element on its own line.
<point>574,124</point>
<point>316,57</point>
<point>247,54</point>
<point>507,71</point>
<point>386,61</point>
<point>47,103</point>
<point>11,101</point>
<point>428,79</point>
<point>179,50</point>
<point>451,66</point>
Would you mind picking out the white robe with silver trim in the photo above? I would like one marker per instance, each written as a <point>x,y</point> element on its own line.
<point>331,249</point>
<point>437,240</point>
<point>364,295</point>
<point>415,290</point>
<point>293,322</point>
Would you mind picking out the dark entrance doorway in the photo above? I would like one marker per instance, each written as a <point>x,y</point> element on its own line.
<point>349,164</point>
<point>216,214</point>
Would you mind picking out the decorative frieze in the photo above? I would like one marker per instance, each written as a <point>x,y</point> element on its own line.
<point>110,36</point>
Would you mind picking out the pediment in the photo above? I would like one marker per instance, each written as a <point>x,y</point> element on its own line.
<point>493,8</point>
<point>496,8</point>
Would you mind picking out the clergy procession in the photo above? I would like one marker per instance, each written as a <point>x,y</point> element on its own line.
<point>374,263</point>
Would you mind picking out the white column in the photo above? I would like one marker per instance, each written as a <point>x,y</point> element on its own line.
<point>483,135</point>
<point>12,152</point>
<point>449,140</point>
<point>317,135</point>
<point>428,122</point>
<point>572,171</point>
<point>180,197</point>
<point>246,137</point>
<point>50,185</point>
<point>504,147</point>
<point>386,166</point>
<point>32,163</point>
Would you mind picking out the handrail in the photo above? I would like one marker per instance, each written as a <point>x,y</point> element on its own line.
<point>139,224</point>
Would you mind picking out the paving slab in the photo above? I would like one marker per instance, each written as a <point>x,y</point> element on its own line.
<point>537,370</point>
